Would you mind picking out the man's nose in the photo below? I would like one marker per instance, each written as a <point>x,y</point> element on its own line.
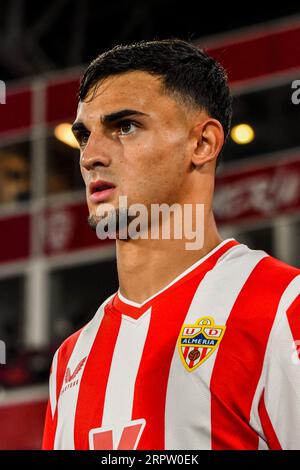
<point>96,152</point>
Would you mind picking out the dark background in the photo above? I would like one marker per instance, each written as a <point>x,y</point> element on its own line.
<point>36,37</point>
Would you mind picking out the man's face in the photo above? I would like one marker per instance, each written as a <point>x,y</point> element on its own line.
<point>143,154</point>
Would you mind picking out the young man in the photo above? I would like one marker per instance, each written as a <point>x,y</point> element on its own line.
<point>198,348</point>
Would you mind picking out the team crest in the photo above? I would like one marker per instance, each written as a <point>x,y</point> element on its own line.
<point>197,342</point>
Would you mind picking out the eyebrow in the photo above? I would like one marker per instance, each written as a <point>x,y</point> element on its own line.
<point>78,126</point>
<point>109,118</point>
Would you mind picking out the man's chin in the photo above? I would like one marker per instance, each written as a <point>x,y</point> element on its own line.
<point>111,218</point>
<point>114,221</point>
<point>93,221</point>
<point>114,225</point>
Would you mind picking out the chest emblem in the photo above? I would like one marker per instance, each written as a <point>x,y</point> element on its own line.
<point>197,342</point>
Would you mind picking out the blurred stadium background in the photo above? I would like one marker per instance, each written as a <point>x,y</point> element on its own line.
<point>54,272</point>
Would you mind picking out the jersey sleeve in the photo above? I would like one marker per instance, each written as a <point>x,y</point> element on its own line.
<point>279,406</point>
<point>51,412</point>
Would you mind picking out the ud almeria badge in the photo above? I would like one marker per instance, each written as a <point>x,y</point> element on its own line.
<point>197,342</point>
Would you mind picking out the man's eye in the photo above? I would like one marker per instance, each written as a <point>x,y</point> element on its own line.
<point>83,139</point>
<point>127,127</point>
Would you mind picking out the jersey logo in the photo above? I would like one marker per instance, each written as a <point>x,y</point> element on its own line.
<point>197,342</point>
<point>124,436</point>
<point>71,376</point>
<point>69,379</point>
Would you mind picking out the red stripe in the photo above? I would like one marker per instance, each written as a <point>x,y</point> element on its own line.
<point>164,329</point>
<point>152,378</point>
<point>64,354</point>
<point>241,353</point>
<point>293,316</point>
<point>94,380</point>
<point>49,429</point>
<point>269,431</point>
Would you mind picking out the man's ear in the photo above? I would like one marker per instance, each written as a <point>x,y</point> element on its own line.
<point>208,141</point>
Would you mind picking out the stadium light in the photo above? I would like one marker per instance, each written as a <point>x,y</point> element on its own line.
<point>242,134</point>
<point>63,133</point>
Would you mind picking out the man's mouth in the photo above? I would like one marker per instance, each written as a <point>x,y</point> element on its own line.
<point>100,190</point>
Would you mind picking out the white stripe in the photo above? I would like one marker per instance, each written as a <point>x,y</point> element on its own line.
<point>278,381</point>
<point>187,271</point>
<point>52,384</point>
<point>123,371</point>
<point>188,426</point>
<point>282,392</point>
<point>67,403</point>
<point>262,445</point>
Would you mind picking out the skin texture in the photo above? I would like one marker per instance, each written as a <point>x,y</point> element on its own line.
<point>167,156</point>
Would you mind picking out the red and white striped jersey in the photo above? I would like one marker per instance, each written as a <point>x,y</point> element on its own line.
<point>209,362</point>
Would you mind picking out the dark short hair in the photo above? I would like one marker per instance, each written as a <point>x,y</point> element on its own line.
<point>185,70</point>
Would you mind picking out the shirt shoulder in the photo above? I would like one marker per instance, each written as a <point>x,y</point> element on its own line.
<point>267,285</point>
<point>277,282</point>
<point>270,266</point>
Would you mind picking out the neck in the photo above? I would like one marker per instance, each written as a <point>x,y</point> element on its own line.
<point>147,266</point>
